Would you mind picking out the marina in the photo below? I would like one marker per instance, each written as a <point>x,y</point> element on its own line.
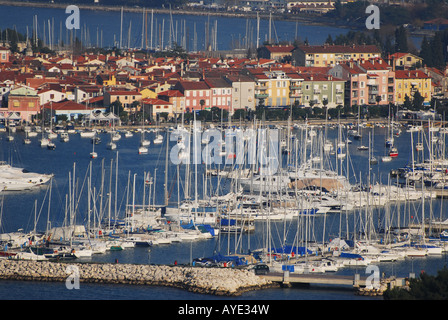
<point>315,227</point>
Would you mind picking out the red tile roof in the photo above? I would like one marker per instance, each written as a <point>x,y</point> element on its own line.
<point>340,49</point>
<point>171,93</point>
<point>280,49</point>
<point>410,74</point>
<point>155,102</point>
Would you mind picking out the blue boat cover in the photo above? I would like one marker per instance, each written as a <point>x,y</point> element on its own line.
<point>287,249</point>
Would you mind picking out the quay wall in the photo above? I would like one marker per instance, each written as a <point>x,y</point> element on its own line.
<point>214,281</point>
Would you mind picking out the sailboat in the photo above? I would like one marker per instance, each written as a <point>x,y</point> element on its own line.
<point>128,134</point>
<point>64,137</point>
<point>143,142</point>
<point>51,145</point>
<point>142,150</point>
<point>158,139</point>
<point>93,154</point>
<point>27,140</point>
<point>372,158</point>
<point>111,145</point>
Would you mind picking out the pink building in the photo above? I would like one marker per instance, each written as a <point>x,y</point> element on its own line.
<point>366,80</point>
<point>197,94</point>
<point>356,90</point>
<point>380,81</point>
<point>4,54</point>
<point>221,93</point>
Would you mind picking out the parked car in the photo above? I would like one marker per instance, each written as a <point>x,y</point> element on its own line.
<point>261,269</point>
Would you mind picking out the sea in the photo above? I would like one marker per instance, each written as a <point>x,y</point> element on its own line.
<point>106,28</point>
<point>123,168</point>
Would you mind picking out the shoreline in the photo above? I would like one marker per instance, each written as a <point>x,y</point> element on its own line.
<point>211,281</point>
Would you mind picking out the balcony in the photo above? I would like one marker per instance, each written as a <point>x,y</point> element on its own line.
<point>373,90</point>
<point>261,95</point>
<point>316,91</point>
<point>295,93</point>
<point>295,87</point>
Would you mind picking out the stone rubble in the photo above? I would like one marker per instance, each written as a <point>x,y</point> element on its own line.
<point>216,281</point>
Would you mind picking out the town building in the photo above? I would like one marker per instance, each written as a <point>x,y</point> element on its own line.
<point>331,55</point>
<point>405,60</point>
<point>197,94</point>
<point>220,93</point>
<point>25,102</point>
<point>243,92</point>
<point>128,99</point>
<point>157,107</point>
<point>4,54</point>
<point>176,98</point>
<point>408,82</point>
<point>275,52</point>
<point>320,90</point>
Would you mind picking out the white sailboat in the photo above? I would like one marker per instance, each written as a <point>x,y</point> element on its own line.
<point>93,154</point>
<point>143,142</point>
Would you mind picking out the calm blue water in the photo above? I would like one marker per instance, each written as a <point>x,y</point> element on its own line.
<point>231,32</point>
<point>73,157</point>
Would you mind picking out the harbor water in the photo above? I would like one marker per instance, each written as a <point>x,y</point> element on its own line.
<point>70,160</point>
<point>104,29</point>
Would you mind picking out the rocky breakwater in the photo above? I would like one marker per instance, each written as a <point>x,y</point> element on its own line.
<point>216,281</point>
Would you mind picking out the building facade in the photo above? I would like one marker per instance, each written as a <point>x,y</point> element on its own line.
<point>331,55</point>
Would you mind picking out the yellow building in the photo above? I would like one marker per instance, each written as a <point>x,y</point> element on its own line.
<point>271,85</point>
<point>402,60</point>
<point>127,98</point>
<point>106,79</point>
<point>407,82</point>
<point>331,55</point>
<point>148,93</point>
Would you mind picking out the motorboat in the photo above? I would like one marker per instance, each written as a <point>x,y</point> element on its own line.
<point>51,145</point>
<point>393,152</point>
<point>142,150</point>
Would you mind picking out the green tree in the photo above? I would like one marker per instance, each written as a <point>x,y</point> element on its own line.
<point>437,47</point>
<point>426,287</point>
<point>417,102</point>
<point>401,40</point>
<point>426,52</point>
<point>407,104</point>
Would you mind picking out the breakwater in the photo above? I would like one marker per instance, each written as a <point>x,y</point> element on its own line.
<point>214,281</point>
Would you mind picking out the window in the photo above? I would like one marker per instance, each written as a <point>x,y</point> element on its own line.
<point>30,104</point>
